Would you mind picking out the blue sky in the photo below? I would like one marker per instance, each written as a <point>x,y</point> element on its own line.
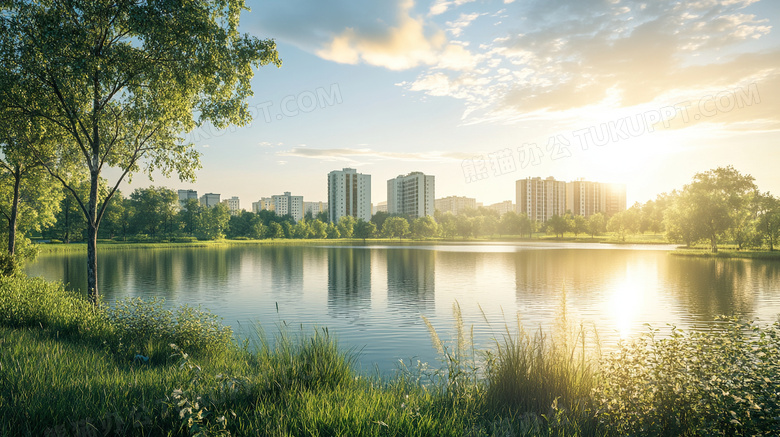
<point>482,93</point>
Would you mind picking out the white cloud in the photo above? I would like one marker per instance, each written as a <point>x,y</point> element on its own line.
<point>575,54</point>
<point>404,45</point>
<point>350,155</point>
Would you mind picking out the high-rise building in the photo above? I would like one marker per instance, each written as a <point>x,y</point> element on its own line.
<point>185,195</point>
<point>412,195</point>
<point>287,204</point>
<point>265,203</point>
<point>232,205</point>
<point>381,206</point>
<point>541,198</point>
<point>586,198</point>
<point>209,200</point>
<point>349,193</point>
<point>455,204</point>
<point>315,208</point>
<point>616,198</point>
<point>502,207</point>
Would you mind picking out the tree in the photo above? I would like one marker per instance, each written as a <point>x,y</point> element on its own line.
<point>332,231</point>
<point>425,227</point>
<point>379,218</point>
<point>395,227</point>
<point>768,223</point>
<point>188,215</point>
<point>156,208</point>
<point>29,198</point>
<point>319,229</point>
<point>275,230</point>
<point>681,227</point>
<point>463,225</point>
<point>509,224</point>
<point>121,82</point>
<point>557,225</point>
<point>579,225</point>
<point>113,219</point>
<point>364,229</point>
<point>213,222</point>
<point>716,198</point>
<point>596,224</point>
<point>346,226</point>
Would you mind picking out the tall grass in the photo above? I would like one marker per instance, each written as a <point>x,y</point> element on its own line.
<point>68,369</point>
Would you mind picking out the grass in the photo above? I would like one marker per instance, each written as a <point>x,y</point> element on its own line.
<point>67,368</point>
<point>728,253</point>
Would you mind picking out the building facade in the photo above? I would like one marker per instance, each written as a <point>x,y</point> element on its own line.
<point>349,193</point>
<point>209,200</point>
<point>586,198</point>
<point>502,207</point>
<point>265,203</point>
<point>540,198</point>
<point>287,204</point>
<point>185,195</point>
<point>454,204</point>
<point>315,208</point>
<point>411,195</point>
<point>233,205</point>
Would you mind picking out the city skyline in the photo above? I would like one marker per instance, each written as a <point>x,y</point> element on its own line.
<point>643,94</point>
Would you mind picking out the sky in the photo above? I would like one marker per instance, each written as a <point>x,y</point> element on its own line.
<point>483,93</point>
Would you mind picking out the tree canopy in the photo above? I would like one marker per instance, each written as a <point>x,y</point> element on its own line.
<point>122,81</point>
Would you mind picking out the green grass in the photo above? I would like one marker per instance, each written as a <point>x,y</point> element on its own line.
<point>728,253</point>
<point>67,368</point>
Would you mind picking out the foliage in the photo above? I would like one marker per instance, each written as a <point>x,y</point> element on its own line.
<point>395,227</point>
<point>364,229</point>
<point>191,328</point>
<point>425,227</point>
<point>120,83</point>
<point>557,225</point>
<point>721,382</point>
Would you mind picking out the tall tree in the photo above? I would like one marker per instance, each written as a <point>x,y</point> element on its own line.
<point>29,197</point>
<point>717,197</point>
<point>123,81</point>
<point>768,223</point>
<point>395,227</point>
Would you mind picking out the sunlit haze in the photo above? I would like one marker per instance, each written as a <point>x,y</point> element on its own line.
<point>643,93</point>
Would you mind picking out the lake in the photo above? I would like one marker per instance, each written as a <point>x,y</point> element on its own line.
<point>373,297</point>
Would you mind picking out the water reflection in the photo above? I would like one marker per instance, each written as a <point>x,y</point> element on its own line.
<point>373,297</point>
<point>411,282</point>
<point>349,282</point>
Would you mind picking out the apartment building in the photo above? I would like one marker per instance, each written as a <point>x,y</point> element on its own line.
<point>349,193</point>
<point>540,198</point>
<point>455,204</point>
<point>411,195</point>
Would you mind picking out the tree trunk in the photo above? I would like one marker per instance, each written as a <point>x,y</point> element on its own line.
<point>14,213</point>
<point>713,244</point>
<point>92,230</point>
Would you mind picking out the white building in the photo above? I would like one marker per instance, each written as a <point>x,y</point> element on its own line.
<point>349,193</point>
<point>502,207</point>
<point>265,203</point>
<point>232,205</point>
<point>287,204</point>
<point>314,208</point>
<point>412,195</point>
<point>380,207</point>
<point>209,200</point>
<point>455,204</point>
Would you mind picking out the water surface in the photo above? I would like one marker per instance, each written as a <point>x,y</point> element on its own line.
<point>373,297</point>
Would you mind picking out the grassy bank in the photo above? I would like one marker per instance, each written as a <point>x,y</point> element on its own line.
<point>67,368</point>
<point>112,245</point>
<point>728,253</point>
